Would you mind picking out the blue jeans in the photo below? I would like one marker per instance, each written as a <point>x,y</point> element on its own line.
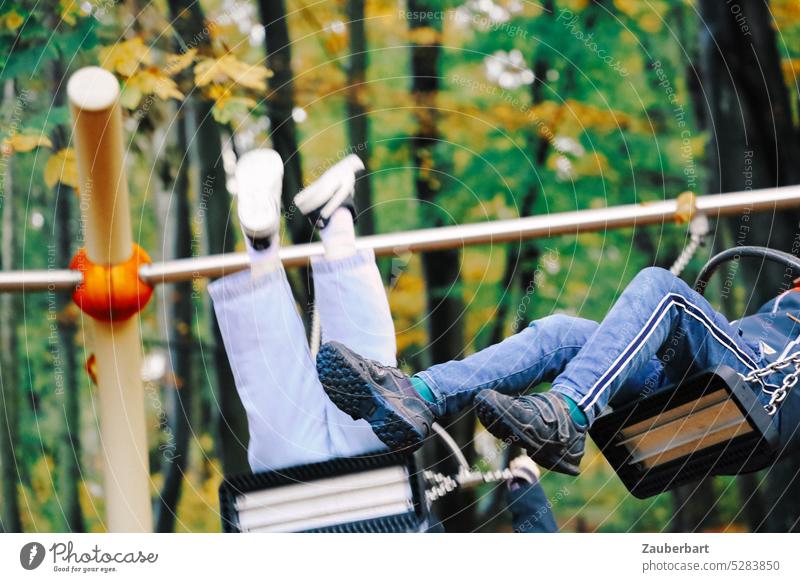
<point>531,511</point>
<point>659,331</point>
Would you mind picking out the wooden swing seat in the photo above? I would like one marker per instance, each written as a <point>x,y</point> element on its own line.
<point>711,423</point>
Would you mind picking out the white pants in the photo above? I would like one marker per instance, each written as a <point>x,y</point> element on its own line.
<point>291,419</point>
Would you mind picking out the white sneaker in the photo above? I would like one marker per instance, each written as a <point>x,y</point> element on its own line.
<point>259,177</point>
<point>332,190</point>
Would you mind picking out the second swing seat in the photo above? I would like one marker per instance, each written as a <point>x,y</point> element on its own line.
<point>711,423</point>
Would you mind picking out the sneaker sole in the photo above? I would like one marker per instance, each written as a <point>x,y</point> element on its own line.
<point>495,422</point>
<point>351,393</point>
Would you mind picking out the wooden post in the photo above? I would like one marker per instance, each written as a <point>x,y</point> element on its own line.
<point>105,213</point>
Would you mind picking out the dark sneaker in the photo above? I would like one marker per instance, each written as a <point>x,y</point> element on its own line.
<point>540,423</point>
<point>381,395</point>
<point>334,189</point>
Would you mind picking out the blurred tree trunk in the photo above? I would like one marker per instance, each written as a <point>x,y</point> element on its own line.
<point>695,507</point>
<point>522,256</point>
<point>181,382</point>
<point>214,199</point>
<point>754,144</point>
<point>69,460</point>
<point>441,268</point>
<point>281,103</point>
<point>648,242</point>
<point>10,520</point>
<point>283,130</point>
<point>231,422</point>
<point>357,120</point>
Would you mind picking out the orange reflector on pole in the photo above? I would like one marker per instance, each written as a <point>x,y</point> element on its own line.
<point>111,292</point>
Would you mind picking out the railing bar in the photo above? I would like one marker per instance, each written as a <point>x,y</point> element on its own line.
<point>431,239</point>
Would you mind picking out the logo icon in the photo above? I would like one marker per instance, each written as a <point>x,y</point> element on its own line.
<point>31,555</point>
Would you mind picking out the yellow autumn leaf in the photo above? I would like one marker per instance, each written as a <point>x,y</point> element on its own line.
<point>415,336</point>
<point>176,63</point>
<point>335,43</point>
<point>125,57</point>
<point>791,70</point>
<point>227,105</point>
<point>424,35</point>
<point>130,96</point>
<point>576,5</point>
<point>407,297</point>
<point>70,10</point>
<point>14,20</point>
<point>785,13</point>
<point>593,164</point>
<point>153,81</point>
<point>629,7</point>
<point>650,22</point>
<point>26,142</point>
<point>216,92</point>
<point>230,69</point>
<point>62,167</point>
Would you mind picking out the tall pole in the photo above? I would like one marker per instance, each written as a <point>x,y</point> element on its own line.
<point>105,212</point>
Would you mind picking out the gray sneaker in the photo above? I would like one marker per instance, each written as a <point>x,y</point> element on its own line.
<point>540,423</point>
<point>381,395</point>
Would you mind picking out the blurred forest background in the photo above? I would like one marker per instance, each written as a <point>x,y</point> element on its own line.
<point>463,111</point>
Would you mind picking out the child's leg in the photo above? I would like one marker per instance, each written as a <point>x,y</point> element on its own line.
<point>536,354</point>
<point>353,307</point>
<point>354,310</point>
<point>275,375</point>
<point>350,298</point>
<point>657,315</point>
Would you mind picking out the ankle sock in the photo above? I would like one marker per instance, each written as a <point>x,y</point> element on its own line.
<point>339,235</point>
<point>423,390</point>
<point>575,412</point>
<point>263,254</point>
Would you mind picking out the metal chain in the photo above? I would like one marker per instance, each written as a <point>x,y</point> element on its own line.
<point>789,381</point>
<point>699,228</point>
<point>442,485</point>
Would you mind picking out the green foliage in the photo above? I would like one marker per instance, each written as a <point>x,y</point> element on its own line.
<point>40,38</point>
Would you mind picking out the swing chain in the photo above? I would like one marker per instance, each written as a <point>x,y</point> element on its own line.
<point>442,485</point>
<point>699,227</point>
<point>779,395</point>
<point>789,381</point>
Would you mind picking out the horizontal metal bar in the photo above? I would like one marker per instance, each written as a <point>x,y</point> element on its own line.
<point>39,280</point>
<point>431,239</point>
<point>499,231</point>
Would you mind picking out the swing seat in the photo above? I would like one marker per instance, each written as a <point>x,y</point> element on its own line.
<point>380,492</point>
<point>711,423</point>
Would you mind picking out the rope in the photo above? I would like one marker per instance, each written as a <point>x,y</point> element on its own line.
<point>316,332</point>
<point>463,465</point>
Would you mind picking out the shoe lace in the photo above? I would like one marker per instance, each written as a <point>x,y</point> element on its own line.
<point>396,372</point>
